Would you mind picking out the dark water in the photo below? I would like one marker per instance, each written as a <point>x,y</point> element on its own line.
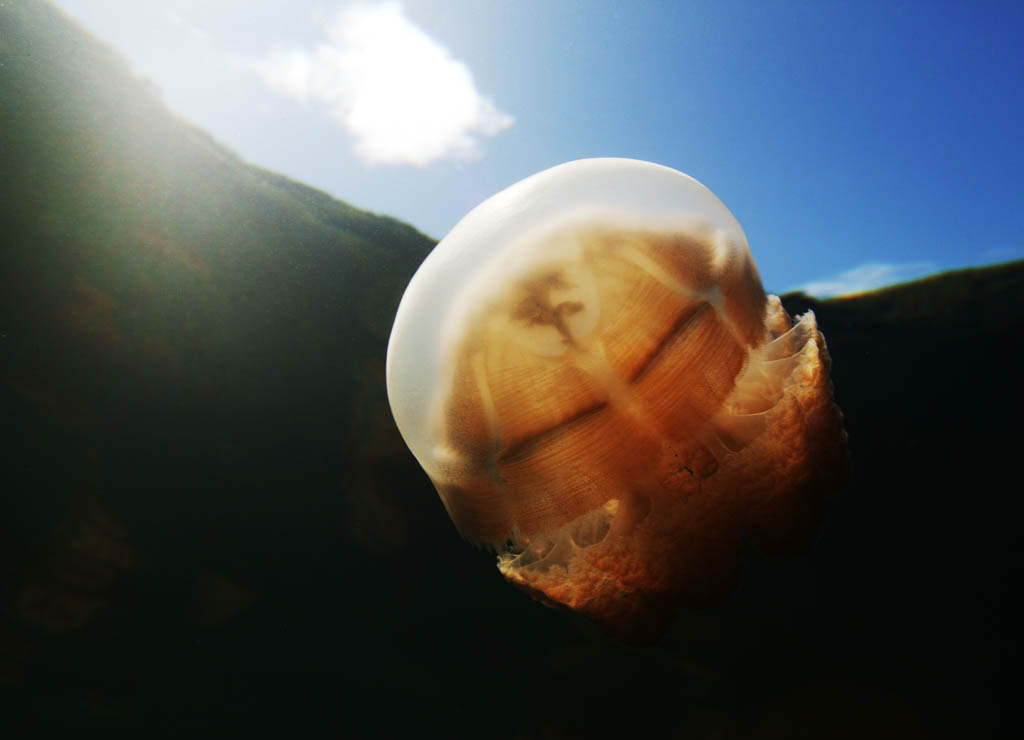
<point>210,526</point>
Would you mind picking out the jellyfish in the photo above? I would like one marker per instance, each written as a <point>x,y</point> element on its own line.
<point>591,374</point>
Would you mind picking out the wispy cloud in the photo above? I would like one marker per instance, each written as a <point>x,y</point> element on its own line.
<point>1004,254</point>
<point>402,96</point>
<point>193,32</point>
<point>866,277</point>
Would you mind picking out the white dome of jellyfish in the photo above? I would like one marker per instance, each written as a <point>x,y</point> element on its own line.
<point>588,369</point>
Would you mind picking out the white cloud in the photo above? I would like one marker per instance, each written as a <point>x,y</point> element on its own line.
<point>401,95</point>
<point>866,277</point>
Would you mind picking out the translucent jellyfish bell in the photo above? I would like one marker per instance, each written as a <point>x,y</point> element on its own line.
<point>588,369</point>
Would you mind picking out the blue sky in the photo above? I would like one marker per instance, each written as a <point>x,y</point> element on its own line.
<point>858,143</point>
